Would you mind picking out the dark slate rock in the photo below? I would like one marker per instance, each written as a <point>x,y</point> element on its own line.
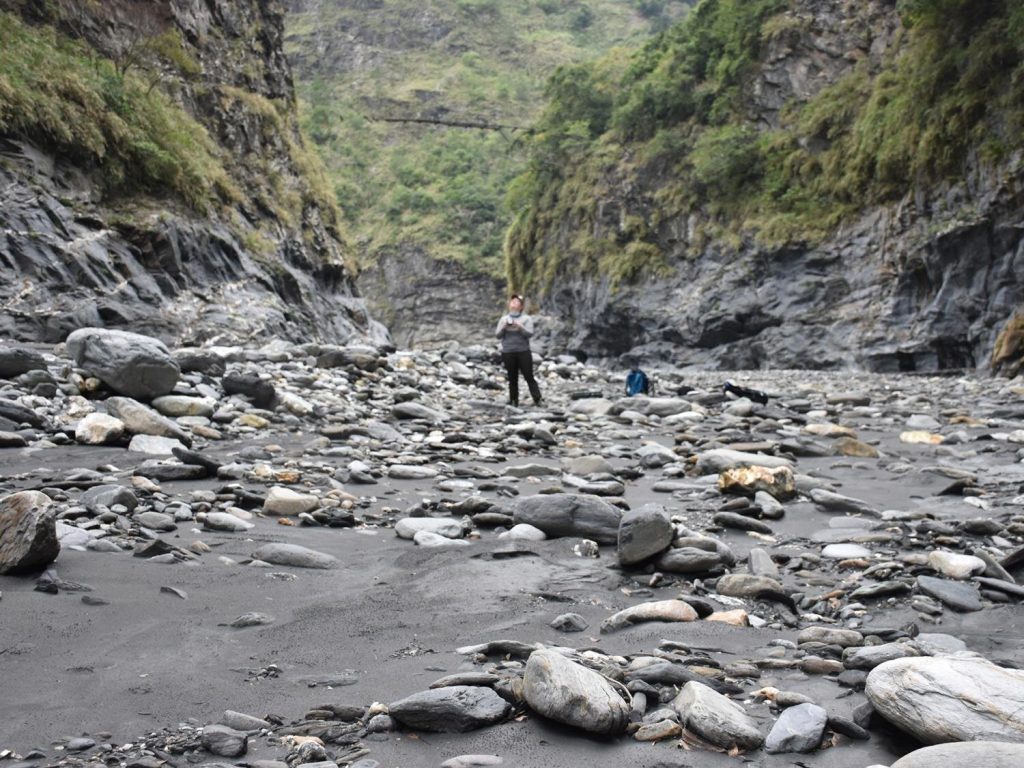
<point>161,472</point>
<point>15,361</point>
<point>643,533</point>
<point>954,594</point>
<point>688,560</point>
<point>260,392</point>
<point>455,709</point>
<point>16,413</point>
<point>798,729</point>
<point>565,514</point>
<point>28,532</point>
<point>134,365</point>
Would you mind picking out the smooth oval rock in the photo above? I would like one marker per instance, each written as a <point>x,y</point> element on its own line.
<point>293,554</point>
<point>285,502</point>
<point>224,741</point>
<point>569,693</point>
<point>408,527</point>
<point>659,610</point>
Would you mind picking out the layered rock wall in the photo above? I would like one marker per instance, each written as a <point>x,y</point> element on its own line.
<point>268,261</point>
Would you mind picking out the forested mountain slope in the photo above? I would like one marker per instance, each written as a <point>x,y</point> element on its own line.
<point>425,202</point>
<point>809,183</point>
<point>153,177</point>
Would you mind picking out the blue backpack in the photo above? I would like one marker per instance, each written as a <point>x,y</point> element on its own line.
<point>637,383</point>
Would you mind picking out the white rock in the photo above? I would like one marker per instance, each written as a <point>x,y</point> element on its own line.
<point>99,429</point>
<point>407,527</point>
<point>288,503</point>
<point>431,539</point>
<point>844,551</point>
<point>524,531</point>
<point>154,445</point>
<point>954,565</point>
<point>411,472</point>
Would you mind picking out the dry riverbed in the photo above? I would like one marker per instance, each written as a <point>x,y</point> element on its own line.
<point>270,556</point>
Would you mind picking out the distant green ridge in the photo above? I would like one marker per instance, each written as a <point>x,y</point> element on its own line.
<point>441,189</point>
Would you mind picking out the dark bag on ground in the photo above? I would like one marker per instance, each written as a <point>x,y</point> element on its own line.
<point>637,383</point>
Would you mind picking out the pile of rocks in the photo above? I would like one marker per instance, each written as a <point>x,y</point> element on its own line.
<point>772,519</point>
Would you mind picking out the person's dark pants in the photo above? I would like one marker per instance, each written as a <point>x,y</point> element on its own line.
<point>516,363</point>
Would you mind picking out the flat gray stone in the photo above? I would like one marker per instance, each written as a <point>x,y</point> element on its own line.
<point>745,585</point>
<point>956,595</point>
<point>453,709</point>
<point>798,729</point>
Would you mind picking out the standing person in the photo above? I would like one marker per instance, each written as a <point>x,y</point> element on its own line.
<point>514,330</point>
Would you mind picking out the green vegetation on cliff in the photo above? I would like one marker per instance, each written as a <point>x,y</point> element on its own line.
<point>59,92</point>
<point>120,115</point>
<point>673,126</point>
<point>440,188</point>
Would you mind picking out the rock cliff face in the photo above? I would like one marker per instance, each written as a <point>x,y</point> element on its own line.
<point>426,303</point>
<point>266,261</point>
<point>923,284</point>
<point>911,287</point>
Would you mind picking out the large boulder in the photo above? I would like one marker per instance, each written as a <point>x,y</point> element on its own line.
<point>950,698</point>
<point>716,718</point>
<point>643,533</point>
<point>28,532</point>
<point>566,514</point>
<point>129,363</point>
<point>452,709</point>
<point>562,690</point>
<point>990,754</point>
